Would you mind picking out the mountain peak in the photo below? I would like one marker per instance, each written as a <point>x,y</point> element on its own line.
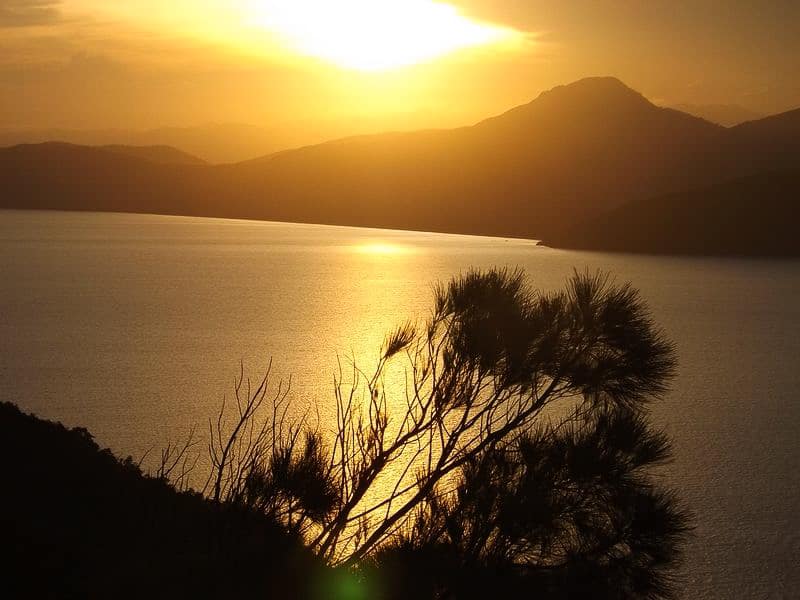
<point>593,90</point>
<point>581,102</point>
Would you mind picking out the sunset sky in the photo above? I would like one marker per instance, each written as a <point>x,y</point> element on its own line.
<point>393,64</point>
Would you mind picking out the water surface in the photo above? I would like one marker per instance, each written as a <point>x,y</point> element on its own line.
<point>134,326</point>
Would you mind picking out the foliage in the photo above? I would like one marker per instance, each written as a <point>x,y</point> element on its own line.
<point>516,453</point>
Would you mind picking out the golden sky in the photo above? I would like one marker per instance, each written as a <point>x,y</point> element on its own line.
<point>376,64</point>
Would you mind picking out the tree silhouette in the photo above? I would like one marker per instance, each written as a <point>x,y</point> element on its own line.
<point>515,456</point>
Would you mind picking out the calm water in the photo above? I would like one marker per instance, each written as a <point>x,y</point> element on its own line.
<point>134,326</point>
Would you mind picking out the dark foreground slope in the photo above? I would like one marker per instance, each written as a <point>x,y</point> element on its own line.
<point>78,523</point>
<point>751,216</point>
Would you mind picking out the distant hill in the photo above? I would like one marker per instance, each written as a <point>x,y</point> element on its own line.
<point>777,134</point>
<point>535,171</point>
<point>751,216</point>
<point>166,155</point>
<point>727,115</point>
<point>214,143</point>
<point>71,177</point>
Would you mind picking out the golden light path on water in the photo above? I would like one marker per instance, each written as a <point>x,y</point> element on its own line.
<point>382,248</point>
<point>398,257</point>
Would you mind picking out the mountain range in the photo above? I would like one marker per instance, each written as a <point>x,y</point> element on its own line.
<point>572,159</point>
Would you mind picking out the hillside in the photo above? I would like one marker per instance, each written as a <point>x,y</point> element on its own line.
<point>751,216</point>
<point>534,171</point>
<point>82,524</point>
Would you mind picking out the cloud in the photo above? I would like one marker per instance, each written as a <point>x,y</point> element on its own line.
<point>27,13</point>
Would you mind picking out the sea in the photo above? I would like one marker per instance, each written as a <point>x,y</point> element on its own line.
<point>137,326</point>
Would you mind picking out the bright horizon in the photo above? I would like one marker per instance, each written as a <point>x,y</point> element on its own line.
<point>327,69</point>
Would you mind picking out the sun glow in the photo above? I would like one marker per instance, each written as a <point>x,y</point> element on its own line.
<point>373,35</point>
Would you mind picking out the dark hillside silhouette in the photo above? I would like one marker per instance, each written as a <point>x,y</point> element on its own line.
<point>79,523</point>
<point>535,171</point>
<point>752,216</point>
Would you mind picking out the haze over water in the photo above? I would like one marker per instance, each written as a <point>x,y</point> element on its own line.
<point>133,326</point>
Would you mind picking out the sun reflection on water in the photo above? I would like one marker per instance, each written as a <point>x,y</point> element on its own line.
<point>382,248</point>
